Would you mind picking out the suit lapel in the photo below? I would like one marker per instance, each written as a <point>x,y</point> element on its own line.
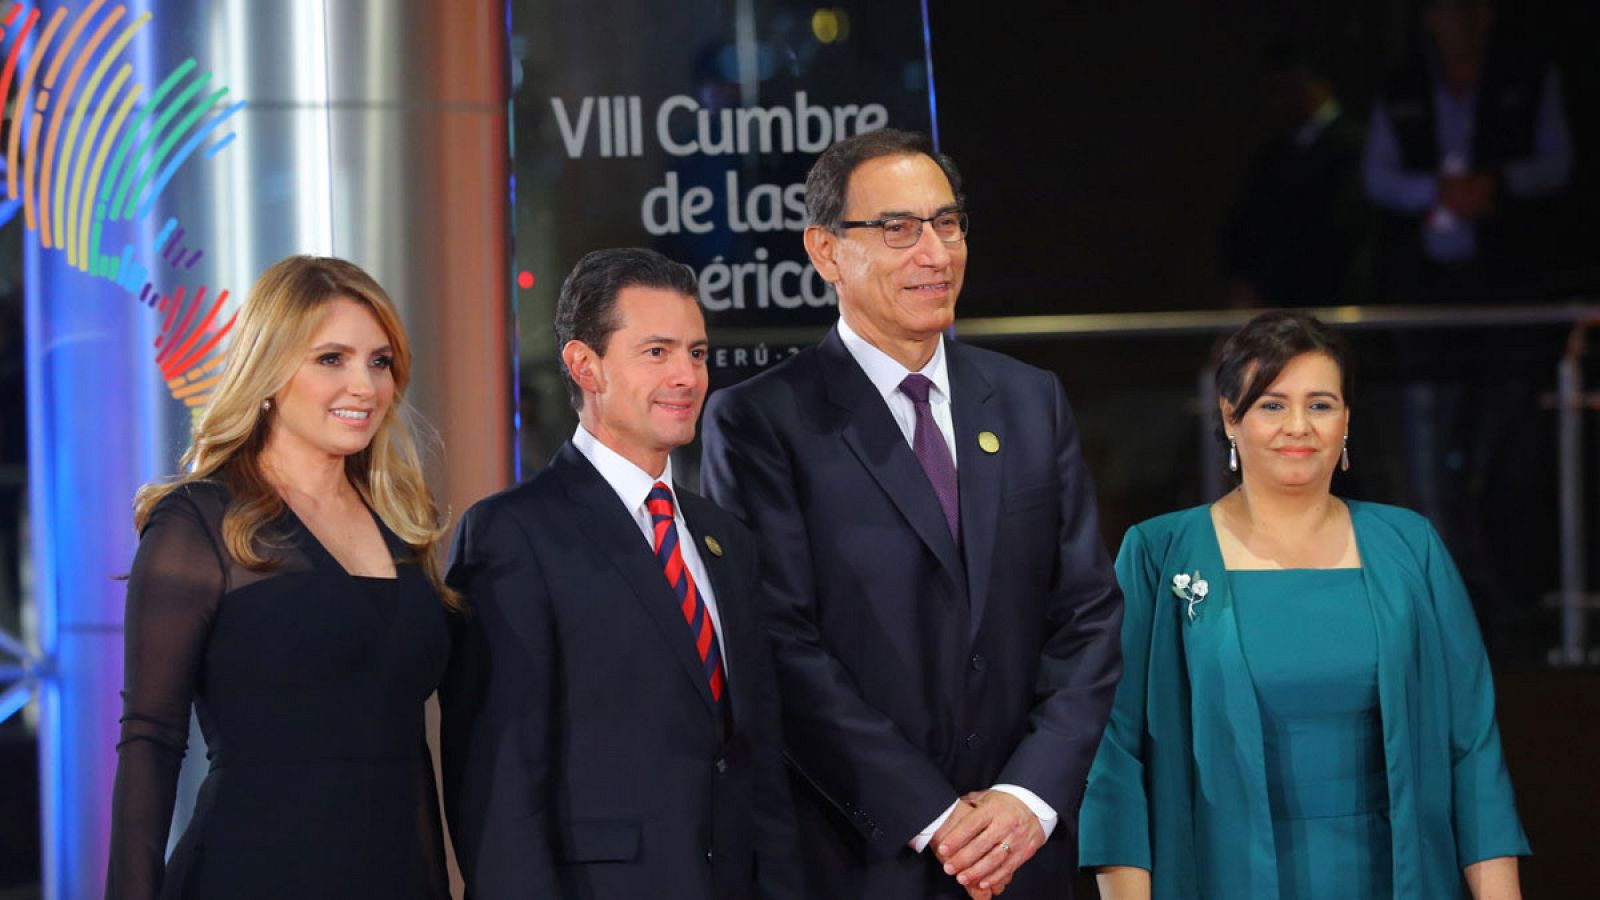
<point>614,534</point>
<point>723,578</point>
<point>978,471</point>
<point>872,435</point>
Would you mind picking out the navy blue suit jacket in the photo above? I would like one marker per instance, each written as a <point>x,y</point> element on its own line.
<point>914,668</point>
<point>583,755</point>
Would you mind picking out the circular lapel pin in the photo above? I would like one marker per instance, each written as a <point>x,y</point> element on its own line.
<point>988,441</point>
<point>713,546</point>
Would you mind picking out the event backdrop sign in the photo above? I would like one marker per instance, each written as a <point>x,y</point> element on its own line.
<point>689,127</point>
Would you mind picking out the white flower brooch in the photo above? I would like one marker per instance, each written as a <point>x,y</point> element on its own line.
<point>1191,589</point>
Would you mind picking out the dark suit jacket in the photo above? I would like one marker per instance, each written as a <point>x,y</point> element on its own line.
<point>914,669</point>
<point>583,756</point>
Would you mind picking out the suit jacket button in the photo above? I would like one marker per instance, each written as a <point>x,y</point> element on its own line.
<point>709,857</point>
<point>722,766</point>
<point>979,663</point>
<point>973,740</point>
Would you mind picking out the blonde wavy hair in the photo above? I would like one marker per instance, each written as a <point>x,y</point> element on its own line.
<point>276,324</point>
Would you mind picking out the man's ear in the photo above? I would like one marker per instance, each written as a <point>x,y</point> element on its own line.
<point>821,245</point>
<point>583,364</point>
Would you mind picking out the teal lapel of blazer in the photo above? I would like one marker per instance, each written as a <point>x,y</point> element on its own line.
<point>1394,581</point>
<point>1233,842</point>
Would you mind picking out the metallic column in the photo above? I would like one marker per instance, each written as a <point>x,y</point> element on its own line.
<point>375,130</point>
<point>94,420</point>
<point>1571,409</point>
<point>99,418</point>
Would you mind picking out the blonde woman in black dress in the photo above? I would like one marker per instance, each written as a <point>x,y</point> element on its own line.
<point>286,588</point>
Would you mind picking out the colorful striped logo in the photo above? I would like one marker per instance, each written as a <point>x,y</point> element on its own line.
<point>92,153</point>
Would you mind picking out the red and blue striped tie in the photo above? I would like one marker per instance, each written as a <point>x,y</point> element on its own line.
<point>670,555</point>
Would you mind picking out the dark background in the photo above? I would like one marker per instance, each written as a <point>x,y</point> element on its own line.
<point>1103,142</point>
<point>1103,145</point>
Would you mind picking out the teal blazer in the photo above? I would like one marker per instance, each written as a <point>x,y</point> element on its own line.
<point>1179,783</point>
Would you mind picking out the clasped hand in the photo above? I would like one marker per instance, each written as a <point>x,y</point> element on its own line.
<point>984,841</point>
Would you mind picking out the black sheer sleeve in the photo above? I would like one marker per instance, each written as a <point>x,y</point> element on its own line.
<point>174,587</point>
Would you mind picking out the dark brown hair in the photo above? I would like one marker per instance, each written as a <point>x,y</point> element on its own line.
<point>1252,358</point>
<point>586,307</point>
<point>828,183</point>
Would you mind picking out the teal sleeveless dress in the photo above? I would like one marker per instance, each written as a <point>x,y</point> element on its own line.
<point>1311,646</point>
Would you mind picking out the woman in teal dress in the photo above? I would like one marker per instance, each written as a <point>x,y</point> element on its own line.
<point>1306,709</point>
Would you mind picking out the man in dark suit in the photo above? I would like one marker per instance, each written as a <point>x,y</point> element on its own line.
<point>625,741</point>
<point>1298,232</point>
<point>945,614</point>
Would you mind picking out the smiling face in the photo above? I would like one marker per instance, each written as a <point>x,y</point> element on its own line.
<point>642,397</point>
<point>1291,437</point>
<point>898,300</point>
<point>342,390</point>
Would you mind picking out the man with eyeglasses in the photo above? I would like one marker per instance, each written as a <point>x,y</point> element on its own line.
<point>945,618</point>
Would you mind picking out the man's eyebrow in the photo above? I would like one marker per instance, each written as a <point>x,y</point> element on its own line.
<point>906,213</point>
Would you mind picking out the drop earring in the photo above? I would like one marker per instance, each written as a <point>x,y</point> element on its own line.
<point>266,405</point>
<point>1344,455</point>
<point>1233,454</point>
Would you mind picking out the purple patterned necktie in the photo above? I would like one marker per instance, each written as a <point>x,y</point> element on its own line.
<point>932,451</point>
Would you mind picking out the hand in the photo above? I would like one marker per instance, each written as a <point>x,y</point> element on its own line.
<point>995,890</point>
<point>962,808</point>
<point>958,811</point>
<point>1469,196</point>
<point>971,848</point>
<point>978,893</point>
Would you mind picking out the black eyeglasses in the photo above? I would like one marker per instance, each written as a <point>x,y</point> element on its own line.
<point>900,232</point>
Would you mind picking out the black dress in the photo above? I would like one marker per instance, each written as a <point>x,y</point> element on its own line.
<point>309,686</point>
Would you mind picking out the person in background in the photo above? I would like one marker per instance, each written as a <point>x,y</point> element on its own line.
<point>1298,232</point>
<point>1307,710</point>
<point>1468,141</point>
<point>286,587</point>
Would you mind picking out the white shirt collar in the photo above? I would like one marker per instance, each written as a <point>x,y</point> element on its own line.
<point>885,372</point>
<point>632,484</point>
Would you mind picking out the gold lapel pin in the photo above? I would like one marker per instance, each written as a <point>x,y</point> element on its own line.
<point>713,546</point>
<point>988,441</point>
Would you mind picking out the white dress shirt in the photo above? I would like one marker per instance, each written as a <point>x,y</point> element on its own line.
<point>633,486</point>
<point>886,374</point>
